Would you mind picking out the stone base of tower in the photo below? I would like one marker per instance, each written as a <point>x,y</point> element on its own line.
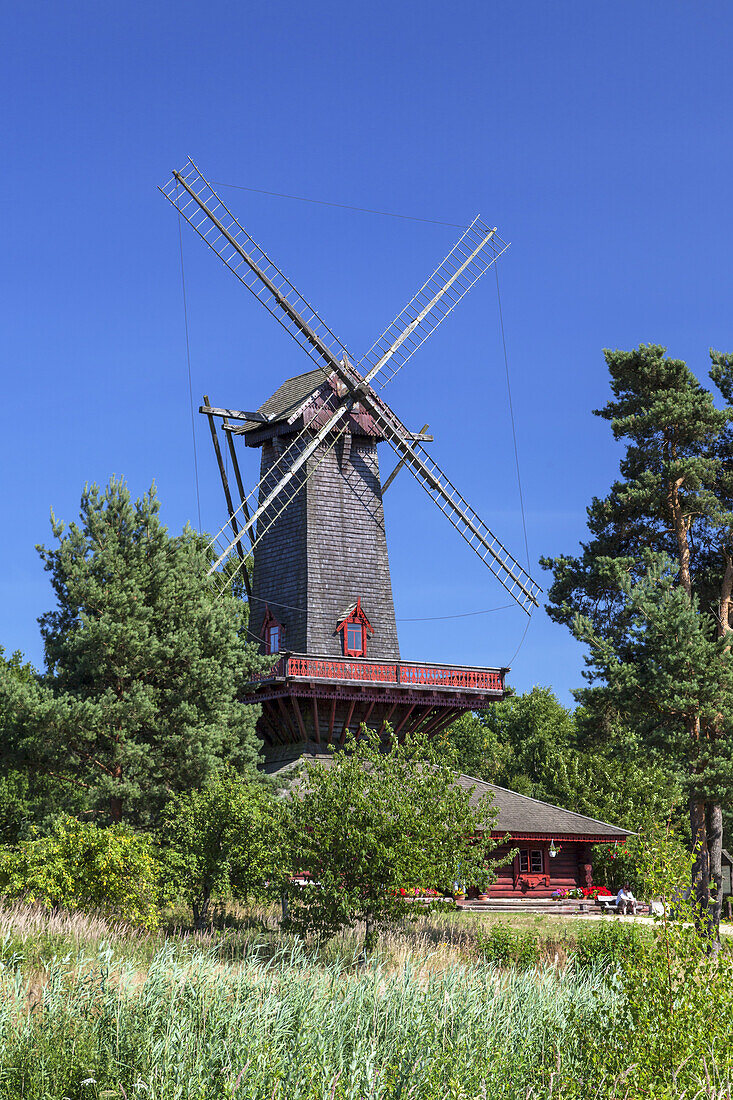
<point>310,702</point>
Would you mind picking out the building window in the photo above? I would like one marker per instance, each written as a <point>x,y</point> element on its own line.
<point>355,638</point>
<point>531,861</point>
<point>355,628</point>
<point>272,632</point>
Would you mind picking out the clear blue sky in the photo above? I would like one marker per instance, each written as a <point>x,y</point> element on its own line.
<point>597,137</point>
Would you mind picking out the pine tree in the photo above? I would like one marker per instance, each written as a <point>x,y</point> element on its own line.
<point>665,652</point>
<point>145,664</point>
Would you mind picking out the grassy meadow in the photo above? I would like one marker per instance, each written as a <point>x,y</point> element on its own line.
<point>452,1006</point>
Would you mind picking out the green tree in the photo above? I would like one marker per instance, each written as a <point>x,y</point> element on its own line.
<point>534,745</point>
<point>674,501</point>
<point>145,664</point>
<point>368,823</point>
<point>28,802</point>
<point>223,841</point>
<point>81,866</point>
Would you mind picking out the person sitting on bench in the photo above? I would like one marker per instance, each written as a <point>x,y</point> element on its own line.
<point>625,901</point>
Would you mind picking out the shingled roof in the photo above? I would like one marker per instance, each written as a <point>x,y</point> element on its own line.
<point>288,398</point>
<point>517,814</point>
<point>520,815</point>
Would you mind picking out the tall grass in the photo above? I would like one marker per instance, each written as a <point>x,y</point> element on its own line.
<point>266,1029</point>
<point>444,1009</point>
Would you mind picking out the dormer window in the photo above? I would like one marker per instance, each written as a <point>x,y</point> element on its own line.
<point>355,628</point>
<point>272,633</point>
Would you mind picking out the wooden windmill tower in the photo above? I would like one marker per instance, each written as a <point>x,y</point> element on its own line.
<point>321,593</point>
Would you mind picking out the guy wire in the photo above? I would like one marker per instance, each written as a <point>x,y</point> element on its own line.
<point>188,359</point>
<point>340,205</point>
<point>513,657</point>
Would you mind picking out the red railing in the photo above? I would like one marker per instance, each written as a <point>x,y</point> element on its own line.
<point>376,672</point>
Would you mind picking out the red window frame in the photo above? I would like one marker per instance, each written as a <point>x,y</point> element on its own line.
<point>355,618</point>
<point>355,650</point>
<point>269,625</point>
<point>526,861</point>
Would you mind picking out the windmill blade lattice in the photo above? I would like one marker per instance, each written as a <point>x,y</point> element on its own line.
<point>468,260</point>
<point>476,251</point>
<point>466,521</point>
<point>283,495</point>
<point>285,469</point>
<point>206,213</point>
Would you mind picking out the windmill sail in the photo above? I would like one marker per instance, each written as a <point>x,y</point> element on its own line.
<point>468,260</point>
<point>206,213</point>
<point>475,252</point>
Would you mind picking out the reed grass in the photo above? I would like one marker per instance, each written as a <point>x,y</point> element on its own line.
<point>90,1009</point>
<point>278,1026</point>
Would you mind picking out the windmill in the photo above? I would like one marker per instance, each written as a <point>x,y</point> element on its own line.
<point>321,593</point>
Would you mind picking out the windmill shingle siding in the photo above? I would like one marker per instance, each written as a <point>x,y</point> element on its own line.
<point>328,547</point>
<point>280,578</point>
<point>347,548</point>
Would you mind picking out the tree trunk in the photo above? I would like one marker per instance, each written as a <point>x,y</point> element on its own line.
<point>200,909</point>
<point>115,809</point>
<point>714,829</point>
<point>701,866</point>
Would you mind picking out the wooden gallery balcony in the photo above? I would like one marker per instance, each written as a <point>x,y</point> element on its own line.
<point>307,698</point>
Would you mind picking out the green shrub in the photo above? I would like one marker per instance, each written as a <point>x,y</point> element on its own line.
<point>607,944</point>
<point>673,1020</point>
<point>81,866</point>
<point>504,947</point>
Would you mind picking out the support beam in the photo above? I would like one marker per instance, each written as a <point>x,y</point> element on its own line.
<point>238,476</point>
<point>370,708</point>
<point>407,715</point>
<point>299,716</point>
<point>286,719</point>
<point>432,724</point>
<point>348,720</point>
<point>403,460</point>
<point>316,724</point>
<point>331,720</point>
<point>387,717</point>
<point>233,414</point>
<point>228,498</point>
<point>446,721</point>
<point>271,720</point>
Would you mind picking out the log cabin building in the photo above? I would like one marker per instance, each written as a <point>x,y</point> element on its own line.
<point>553,846</point>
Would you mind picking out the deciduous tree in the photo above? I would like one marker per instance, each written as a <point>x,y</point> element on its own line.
<point>223,841</point>
<point>370,825</point>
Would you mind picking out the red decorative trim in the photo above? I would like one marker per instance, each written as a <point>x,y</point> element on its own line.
<point>581,838</point>
<point>405,674</point>
<point>358,617</point>
<point>431,675</point>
